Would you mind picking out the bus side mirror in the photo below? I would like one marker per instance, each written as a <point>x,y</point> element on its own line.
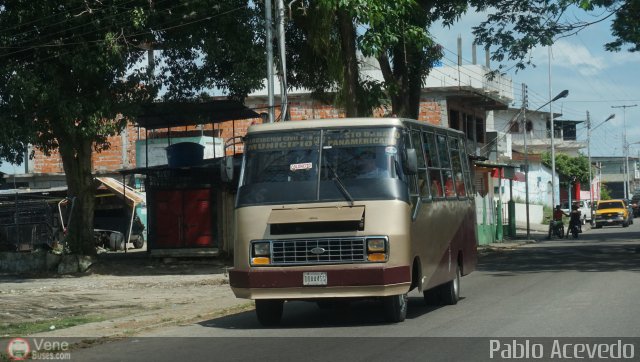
<point>226,169</point>
<point>411,163</point>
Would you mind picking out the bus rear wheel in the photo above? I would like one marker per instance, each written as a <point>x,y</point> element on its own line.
<point>269,311</point>
<point>450,291</point>
<point>432,296</point>
<point>395,307</point>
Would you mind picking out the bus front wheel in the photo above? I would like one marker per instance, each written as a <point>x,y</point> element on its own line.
<point>269,311</point>
<point>451,290</point>
<point>395,307</point>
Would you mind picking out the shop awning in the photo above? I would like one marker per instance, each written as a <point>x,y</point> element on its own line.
<point>180,114</point>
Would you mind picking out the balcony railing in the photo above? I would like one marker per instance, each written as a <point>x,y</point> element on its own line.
<point>541,135</point>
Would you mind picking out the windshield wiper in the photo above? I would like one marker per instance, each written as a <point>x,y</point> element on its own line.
<point>341,186</point>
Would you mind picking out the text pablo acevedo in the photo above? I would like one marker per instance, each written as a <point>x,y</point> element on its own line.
<point>558,349</point>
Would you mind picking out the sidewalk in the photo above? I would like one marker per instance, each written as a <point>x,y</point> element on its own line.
<point>537,233</point>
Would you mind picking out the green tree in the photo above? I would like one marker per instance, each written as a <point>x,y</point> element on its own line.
<point>64,83</point>
<point>71,75</point>
<point>514,28</point>
<point>568,166</point>
<point>394,33</point>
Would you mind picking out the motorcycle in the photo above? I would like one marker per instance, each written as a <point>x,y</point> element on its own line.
<point>556,228</point>
<point>575,230</point>
<point>575,223</point>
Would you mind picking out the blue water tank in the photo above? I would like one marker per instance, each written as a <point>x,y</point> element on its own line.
<point>185,154</point>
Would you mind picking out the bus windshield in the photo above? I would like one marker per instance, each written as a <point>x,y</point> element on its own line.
<point>322,165</point>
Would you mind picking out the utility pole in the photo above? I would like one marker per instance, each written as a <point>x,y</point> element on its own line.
<point>553,149</point>
<point>268,26</point>
<point>625,147</point>
<point>525,101</point>
<point>589,156</point>
<point>589,129</point>
<point>284,111</point>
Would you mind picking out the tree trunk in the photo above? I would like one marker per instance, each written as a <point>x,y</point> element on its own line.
<point>76,160</point>
<point>405,76</point>
<point>414,88</point>
<point>351,74</point>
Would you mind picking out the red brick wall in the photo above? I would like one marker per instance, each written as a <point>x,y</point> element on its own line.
<point>230,129</point>
<point>300,108</point>
<point>429,111</point>
<point>303,109</point>
<point>104,161</point>
<point>44,164</point>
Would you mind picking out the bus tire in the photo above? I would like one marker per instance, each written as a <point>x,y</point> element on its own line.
<point>269,311</point>
<point>450,292</point>
<point>432,296</point>
<point>395,307</point>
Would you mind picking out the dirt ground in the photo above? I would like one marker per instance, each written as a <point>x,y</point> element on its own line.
<point>120,295</point>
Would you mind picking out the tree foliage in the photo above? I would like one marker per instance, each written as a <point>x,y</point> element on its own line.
<point>393,34</point>
<point>72,73</point>
<point>568,167</point>
<point>513,28</point>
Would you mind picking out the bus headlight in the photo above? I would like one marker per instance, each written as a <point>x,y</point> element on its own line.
<point>376,245</point>
<point>377,250</point>
<point>261,249</point>
<point>260,253</point>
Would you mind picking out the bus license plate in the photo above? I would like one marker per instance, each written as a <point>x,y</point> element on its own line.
<point>314,278</point>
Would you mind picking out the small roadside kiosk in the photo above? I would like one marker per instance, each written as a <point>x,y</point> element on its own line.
<point>189,207</point>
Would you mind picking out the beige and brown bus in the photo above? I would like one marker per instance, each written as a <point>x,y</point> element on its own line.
<point>344,209</point>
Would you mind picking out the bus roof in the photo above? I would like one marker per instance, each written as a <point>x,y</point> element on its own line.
<point>340,123</point>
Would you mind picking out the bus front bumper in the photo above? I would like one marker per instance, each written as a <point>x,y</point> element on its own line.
<point>287,283</point>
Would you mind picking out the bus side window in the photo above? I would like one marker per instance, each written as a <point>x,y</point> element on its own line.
<point>443,151</point>
<point>423,182</point>
<point>449,190</point>
<point>409,142</point>
<point>433,164</point>
<point>466,171</point>
<point>436,183</point>
<point>445,165</point>
<point>456,165</point>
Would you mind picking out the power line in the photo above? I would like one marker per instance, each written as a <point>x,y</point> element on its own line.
<point>129,36</point>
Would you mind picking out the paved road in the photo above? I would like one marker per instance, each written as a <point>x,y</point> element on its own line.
<point>589,287</point>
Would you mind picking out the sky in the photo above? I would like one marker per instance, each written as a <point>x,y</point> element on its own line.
<point>596,80</point>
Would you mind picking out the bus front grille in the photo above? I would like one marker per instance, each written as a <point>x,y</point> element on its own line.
<point>318,251</point>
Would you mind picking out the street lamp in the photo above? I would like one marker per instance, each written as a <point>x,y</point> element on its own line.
<point>562,94</point>
<point>625,149</point>
<point>611,116</point>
